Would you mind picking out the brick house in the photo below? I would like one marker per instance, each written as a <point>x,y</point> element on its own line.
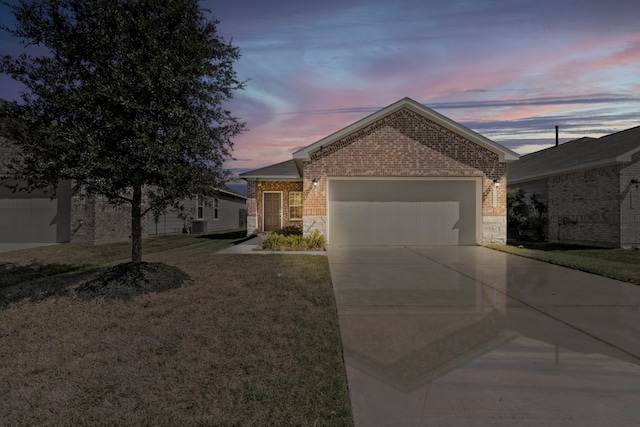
<point>404,175</point>
<point>37,218</point>
<point>590,186</point>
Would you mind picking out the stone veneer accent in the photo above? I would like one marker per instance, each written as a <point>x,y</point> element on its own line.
<point>406,144</point>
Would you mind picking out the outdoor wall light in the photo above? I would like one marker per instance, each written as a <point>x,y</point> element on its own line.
<point>315,182</point>
<point>496,182</point>
<point>635,181</point>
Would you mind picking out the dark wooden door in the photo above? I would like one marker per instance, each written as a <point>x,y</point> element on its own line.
<point>272,211</point>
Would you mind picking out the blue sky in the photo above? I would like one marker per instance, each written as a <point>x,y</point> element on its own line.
<point>509,69</point>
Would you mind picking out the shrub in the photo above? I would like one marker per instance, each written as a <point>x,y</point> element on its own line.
<point>293,242</point>
<point>290,230</point>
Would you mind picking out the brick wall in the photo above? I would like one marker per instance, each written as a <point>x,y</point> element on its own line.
<point>406,144</point>
<point>94,220</point>
<point>584,207</point>
<point>8,151</point>
<point>255,190</point>
<point>630,204</point>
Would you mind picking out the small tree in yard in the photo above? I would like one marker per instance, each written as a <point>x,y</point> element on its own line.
<point>124,98</point>
<point>525,216</point>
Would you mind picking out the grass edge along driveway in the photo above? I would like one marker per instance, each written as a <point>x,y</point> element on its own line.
<point>250,340</point>
<point>619,264</point>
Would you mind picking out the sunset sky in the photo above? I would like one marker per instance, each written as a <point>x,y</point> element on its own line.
<point>508,69</point>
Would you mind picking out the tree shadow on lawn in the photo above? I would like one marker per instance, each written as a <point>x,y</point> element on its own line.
<point>38,281</point>
<point>240,235</point>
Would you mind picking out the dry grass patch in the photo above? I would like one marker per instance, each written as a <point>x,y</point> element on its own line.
<point>250,340</point>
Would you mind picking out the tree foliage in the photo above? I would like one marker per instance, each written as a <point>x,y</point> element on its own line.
<point>123,97</point>
<point>526,217</point>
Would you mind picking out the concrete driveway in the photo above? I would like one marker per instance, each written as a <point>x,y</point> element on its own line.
<point>449,336</point>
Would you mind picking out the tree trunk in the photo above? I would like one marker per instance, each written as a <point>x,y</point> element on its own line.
<point>136,224</point>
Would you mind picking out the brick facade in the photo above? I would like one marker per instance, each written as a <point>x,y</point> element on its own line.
<point>630,204</point>
<point>596,207</point>
<point>96,221</point>
<point>406,144</point>
<point>584,207</point>
<point>255,191</point>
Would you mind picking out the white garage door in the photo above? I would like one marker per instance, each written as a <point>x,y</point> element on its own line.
<point>402,212</point>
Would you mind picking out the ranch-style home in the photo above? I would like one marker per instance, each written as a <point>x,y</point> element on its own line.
<point>405,175</point>
<point>590,186</point>
<point>37,218</point>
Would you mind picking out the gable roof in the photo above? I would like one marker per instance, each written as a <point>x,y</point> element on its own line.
<point>579,154</point>
<point>282,171</point>
<point>504,153</point>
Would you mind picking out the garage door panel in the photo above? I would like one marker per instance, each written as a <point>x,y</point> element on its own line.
<point>28,220</point>
<point>402,212</point>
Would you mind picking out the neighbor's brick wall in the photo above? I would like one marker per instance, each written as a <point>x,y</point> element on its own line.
<point>388,148</point>
<point>94,220</point>
<point>584,207</point>
<point>8,151</point>
<point>254,201</point>
<point>630,204</point>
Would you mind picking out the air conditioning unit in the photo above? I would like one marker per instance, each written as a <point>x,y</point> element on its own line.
<point>198,227</point>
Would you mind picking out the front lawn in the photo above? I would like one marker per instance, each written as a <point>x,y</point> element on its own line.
<point>249,340</point>
<point>620,264</point>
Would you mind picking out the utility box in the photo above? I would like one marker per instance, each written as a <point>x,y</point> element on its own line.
<point>198,227</point>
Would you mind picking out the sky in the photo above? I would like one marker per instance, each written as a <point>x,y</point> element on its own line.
<point>509,69</point>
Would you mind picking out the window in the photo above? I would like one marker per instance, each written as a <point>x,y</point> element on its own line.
<point>216,205</point>
<point>200,207</point>
<point>295,205</point>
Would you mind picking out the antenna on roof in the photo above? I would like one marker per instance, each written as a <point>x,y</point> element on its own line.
<point>556,135</point>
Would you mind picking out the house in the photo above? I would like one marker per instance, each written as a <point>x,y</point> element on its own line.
<point>590,186</point>
<point>35,217</point>
<point>405,175</point>
<point>222,210</point>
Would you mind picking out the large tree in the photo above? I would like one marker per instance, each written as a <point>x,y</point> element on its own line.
<point>124,98</point>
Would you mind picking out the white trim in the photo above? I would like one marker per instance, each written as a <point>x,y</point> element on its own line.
<point>215,205</point>
<point>200,199</point>
<point>281,204</point>
<point>476,179</point>
<point>505,154</point>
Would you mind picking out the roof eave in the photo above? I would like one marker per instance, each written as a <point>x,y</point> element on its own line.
<point>563,171</point>
<point>504,153</point>
<point>270,178</point>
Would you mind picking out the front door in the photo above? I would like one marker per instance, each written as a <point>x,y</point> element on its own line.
<point>272,211</point>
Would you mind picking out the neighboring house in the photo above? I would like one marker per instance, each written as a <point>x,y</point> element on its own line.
<point>590,187</point>
<point>37,218</point>
<point>404,175</point>
<point>224,209</point>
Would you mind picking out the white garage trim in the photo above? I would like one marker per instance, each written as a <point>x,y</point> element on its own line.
<point>440,213</point>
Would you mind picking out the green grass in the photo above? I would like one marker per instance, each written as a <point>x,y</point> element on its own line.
<point>250,340</point>
<point>619,264</point>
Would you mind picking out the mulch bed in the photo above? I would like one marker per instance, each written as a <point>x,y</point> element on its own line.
<point>125,281</point>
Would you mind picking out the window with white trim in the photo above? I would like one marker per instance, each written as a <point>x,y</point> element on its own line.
<point>216,208</point>
<point>200,207</point>
<point>295,205</point>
